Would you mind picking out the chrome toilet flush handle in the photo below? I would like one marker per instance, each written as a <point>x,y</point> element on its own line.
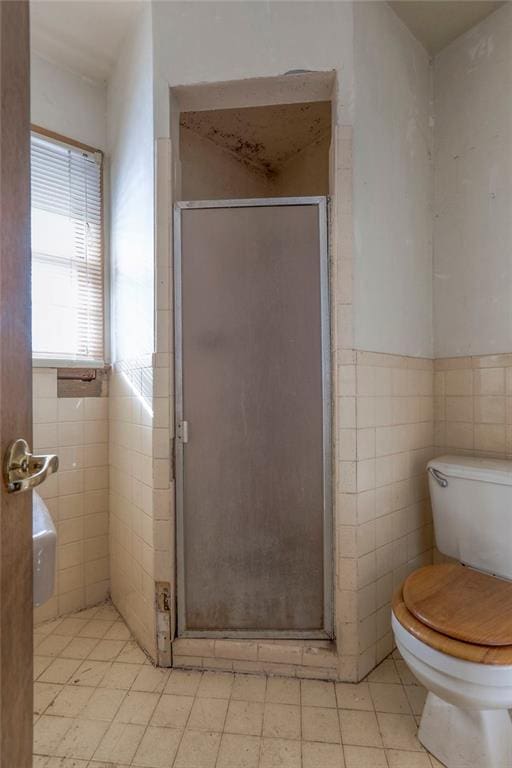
<point>438,477</point>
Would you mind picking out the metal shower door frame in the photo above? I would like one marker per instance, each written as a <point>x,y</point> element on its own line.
<point>325,324</point>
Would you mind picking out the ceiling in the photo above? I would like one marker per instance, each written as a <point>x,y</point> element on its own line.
<point>263,137</point>
<point>435,23</point>
<point>85,35</point>
<point>82,36</point>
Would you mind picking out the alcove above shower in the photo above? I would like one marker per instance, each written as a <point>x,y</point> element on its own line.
<point>277,150</point>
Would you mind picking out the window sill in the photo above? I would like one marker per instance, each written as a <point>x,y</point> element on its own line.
<point>55,362</point>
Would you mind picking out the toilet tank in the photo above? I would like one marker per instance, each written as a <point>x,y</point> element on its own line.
<point>472,510</point>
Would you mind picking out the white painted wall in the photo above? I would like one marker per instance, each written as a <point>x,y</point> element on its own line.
<point>385,90</point>
<point>216,41</point>
<point>367,45</point>
<point>392,186</point>
<point>473,191</point>
<point>130,147</point>
<point>67,103</point>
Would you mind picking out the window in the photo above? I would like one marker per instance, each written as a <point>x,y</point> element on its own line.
<point>67,252</point>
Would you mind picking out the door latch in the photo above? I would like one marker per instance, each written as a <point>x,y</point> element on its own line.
<point>182,431</point>
<point>24,471</point>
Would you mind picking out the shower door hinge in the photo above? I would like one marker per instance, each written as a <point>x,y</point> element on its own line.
<point>163,591</point>
<point>182,431</point>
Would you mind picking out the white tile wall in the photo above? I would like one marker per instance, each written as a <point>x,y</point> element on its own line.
<point>141,546</point>
<point>131,535</point>
<point>77,496</point>
<point>141,498</point>
<point>473,405</point>
<point>384,525</point>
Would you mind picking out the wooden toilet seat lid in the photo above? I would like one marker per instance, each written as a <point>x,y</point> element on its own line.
<point>461,603</point>
<point>478,654</point>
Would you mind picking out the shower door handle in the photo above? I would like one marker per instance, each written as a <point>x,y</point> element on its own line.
<point>22,470</point>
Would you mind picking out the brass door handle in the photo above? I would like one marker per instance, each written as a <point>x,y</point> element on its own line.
<point>22,470</point>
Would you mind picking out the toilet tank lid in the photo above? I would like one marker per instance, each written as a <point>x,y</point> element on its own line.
<point>485,470</point>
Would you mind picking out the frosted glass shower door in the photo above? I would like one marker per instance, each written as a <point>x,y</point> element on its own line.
<point>253,418</point>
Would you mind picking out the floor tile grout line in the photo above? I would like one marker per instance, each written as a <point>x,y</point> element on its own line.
<point>260,745</point>
<point>341,734</point>
<point>224,723</point>
<point>186,723</point>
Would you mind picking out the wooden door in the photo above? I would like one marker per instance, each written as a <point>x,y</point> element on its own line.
<point>254,546</point>
<point>15,387</point>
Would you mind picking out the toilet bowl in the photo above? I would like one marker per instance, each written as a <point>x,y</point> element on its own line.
<point>453,622</point>
<point>465,721</point>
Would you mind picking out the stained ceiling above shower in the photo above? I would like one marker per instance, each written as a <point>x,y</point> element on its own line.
<point>263,138</point>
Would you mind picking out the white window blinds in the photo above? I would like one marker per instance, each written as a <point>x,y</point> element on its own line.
<point>67,252</point>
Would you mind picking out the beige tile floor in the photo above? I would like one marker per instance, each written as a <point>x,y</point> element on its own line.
<point>99,703</point>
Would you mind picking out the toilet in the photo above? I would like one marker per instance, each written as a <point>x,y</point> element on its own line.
<point>453,622</point>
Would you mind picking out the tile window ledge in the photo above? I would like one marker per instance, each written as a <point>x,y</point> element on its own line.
<point>55,362</point>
